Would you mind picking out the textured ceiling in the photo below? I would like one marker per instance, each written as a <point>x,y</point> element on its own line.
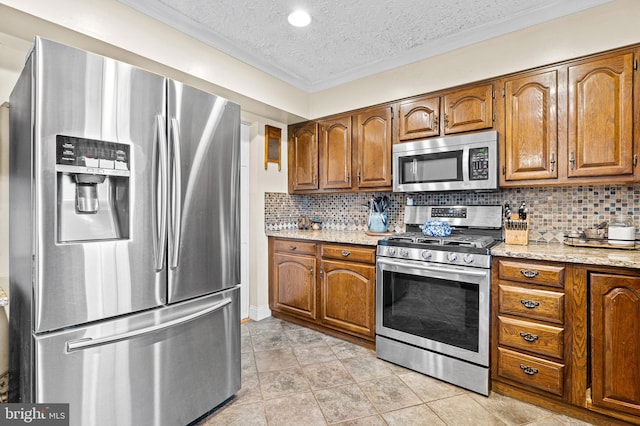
<point>347,40</point>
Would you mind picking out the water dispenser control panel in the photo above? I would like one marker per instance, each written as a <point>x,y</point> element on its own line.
<point>89,156</point>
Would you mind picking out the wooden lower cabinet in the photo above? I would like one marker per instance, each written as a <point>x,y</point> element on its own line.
<point>348,300</point>
<point>567,336</point>
<point>337,297</point>
<point>615,341</point>
<point>294,284</point>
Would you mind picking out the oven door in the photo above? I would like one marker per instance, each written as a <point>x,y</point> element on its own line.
<point>441,308</point>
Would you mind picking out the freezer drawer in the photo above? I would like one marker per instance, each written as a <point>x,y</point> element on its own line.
<point>167,366</point>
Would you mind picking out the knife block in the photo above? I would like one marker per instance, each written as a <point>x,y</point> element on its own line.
<point>516,231</point>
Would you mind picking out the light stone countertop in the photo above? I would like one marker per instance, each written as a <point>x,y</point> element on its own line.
<point>329,236</point>
<point>536,251</point>
<point>568,254</point>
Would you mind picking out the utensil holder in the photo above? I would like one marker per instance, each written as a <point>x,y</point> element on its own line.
<point>378,222</point>
<point>516,231</point>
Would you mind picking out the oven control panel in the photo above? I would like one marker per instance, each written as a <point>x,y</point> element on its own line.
<point>449,212</point>
<point>423,255</point>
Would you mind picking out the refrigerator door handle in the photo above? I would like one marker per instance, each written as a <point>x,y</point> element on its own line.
<point>85,343</point>
<point>159,193</point>
<point>176,196</point>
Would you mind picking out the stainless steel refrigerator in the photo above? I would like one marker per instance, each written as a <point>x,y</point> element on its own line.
<point>124,241</point>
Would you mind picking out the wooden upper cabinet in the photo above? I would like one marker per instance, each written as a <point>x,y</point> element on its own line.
<point>303,158</point>
<point>373,147</point>
<point>419,118</point>
<point>600,133</point>
<point>335,153</point>
<point>468,109</point>
<point>615,357</point>
<point>531,127</point>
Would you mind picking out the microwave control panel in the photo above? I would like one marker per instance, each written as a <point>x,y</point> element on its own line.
<point>479,163</point>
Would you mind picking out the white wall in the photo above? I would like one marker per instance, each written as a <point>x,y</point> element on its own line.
<point>261,181</point>
<point>609,26</point>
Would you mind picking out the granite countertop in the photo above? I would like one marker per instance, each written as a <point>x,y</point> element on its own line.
<point>536,251</point>
<point>568,254</point>
<point>329,236</point>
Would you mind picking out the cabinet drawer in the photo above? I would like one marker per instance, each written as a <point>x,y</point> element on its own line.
<point>536,304</point>
<point>355,254</point>
<point>534,273</point>
<point>293,246</point>
<point>538,338</point>
<point>535,372</point>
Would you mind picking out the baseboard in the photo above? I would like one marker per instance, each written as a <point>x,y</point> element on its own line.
<point>258,313</point>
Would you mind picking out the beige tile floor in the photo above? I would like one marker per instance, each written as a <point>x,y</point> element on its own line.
<point>292,375</point>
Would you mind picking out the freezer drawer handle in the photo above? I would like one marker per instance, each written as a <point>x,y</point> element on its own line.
<point>86,343</point>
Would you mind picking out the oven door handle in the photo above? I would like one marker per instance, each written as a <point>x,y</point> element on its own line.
<point>439,270</point>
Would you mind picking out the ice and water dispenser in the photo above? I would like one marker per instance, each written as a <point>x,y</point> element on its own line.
<point>92,189</point>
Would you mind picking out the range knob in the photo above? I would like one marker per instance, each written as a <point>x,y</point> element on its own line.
<point>452,257</point>
<point>391,251</point>
<point>404,252</point>
<point>426,254</point>
<point>468,258</point>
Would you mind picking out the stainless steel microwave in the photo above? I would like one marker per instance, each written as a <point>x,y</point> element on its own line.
<point>466,162</point>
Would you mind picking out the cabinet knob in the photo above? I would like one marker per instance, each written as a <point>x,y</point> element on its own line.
<point>311,270</point>
<point>528,337</point>
<point>321,271</point>
<point>552,161</point>
<point>528,273</point>
<point>292,247</point>
<point>529,304</point>
<point>528,370</point>
<point>346,253</point>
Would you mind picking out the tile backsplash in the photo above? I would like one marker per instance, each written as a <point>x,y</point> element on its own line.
<point>553,211</point>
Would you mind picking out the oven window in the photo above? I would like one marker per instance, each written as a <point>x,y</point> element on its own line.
<point>436,309</point>
<point>438,167</point>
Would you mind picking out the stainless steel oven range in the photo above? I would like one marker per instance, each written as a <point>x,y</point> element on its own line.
<point>432,294</point>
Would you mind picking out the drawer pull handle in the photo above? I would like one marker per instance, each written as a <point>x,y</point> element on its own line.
<point>528,273</point>
<point>346,253</point>
<point>529,304</point>
<point>528,336</point>
<point>293,247</point>
<point>528,370</point>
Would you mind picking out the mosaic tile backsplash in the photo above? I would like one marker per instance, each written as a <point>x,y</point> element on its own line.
<point>553,211</point>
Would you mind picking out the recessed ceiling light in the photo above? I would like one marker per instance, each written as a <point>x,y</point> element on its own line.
<point>299,18</point>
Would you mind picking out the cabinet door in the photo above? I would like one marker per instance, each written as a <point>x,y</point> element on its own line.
<point>600,135</point>
<point>295,284</point>
<point>374,148</point>
<point>419,118</point>
<point>531,133</point>
<point>348,296</point>
<point>335,153</point>
<point>615,342</point>
<point>468,109</point>
<point>303,158</point>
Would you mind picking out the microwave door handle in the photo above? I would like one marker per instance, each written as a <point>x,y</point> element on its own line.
<point>465,165</point>
<point>176,194</point>
<point>415,170</point>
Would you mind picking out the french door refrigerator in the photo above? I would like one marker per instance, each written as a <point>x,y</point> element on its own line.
<point>124,241</point>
